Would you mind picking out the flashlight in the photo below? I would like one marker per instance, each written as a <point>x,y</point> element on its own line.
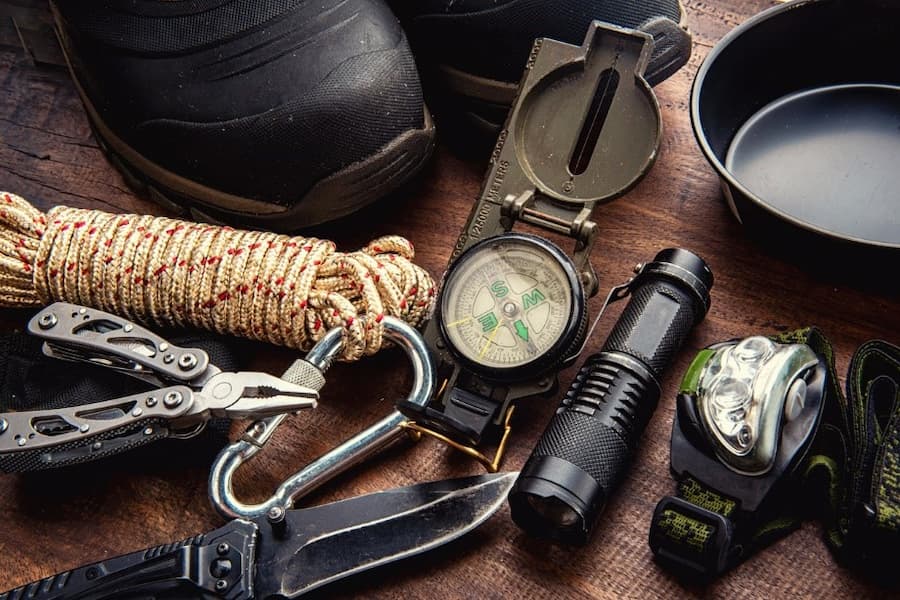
<point>588,445</point>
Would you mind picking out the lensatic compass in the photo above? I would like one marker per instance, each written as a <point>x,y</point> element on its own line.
<point>512,312</point>
<point>511,305</point>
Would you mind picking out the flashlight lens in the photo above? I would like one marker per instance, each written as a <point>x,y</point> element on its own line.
<point>554,511</point>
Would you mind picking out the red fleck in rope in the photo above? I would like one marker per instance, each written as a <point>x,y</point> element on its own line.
<point>276,288</point>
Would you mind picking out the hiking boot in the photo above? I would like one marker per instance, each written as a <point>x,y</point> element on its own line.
<point>277,114</point>
<point>473,52</point>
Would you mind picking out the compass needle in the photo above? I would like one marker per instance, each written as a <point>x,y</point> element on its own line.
<point>460,322</point>
<point>489,340</point>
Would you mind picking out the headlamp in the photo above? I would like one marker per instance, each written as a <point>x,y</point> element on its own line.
<point>746,390</point>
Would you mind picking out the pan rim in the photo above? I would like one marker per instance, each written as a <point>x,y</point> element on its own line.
<point>723,172</point>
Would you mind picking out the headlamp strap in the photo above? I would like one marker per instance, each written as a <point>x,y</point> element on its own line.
<point>855,465</point>
<point>850,477</point>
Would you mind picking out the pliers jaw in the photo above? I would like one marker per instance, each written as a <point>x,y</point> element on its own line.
<point>249,394</point>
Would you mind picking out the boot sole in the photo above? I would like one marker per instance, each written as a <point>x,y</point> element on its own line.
<point>335,196</point>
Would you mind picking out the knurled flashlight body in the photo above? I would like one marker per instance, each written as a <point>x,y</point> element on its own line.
<point>588,445</point>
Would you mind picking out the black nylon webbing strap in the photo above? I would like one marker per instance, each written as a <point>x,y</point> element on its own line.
<point>695,530</point>
<point>851,478</point>
<point>855,468</point>
<point>704,532</point>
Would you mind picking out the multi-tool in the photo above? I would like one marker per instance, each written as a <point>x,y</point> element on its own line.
<point>190,391</point>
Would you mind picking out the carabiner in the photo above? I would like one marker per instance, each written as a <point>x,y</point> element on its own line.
<point>336,461</point>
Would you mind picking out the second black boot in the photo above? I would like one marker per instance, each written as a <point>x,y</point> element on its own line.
<point>473,52</point>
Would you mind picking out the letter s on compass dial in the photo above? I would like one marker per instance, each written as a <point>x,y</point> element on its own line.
<point>512,307</point>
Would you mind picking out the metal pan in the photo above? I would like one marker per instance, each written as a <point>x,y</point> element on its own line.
<point>798,110</point>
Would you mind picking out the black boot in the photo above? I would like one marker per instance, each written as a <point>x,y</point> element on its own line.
<point>269,113</point>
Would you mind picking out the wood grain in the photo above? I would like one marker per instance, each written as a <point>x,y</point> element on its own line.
<point>55,521</point>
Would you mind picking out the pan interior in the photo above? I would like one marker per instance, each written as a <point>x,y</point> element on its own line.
<point>828,156</point>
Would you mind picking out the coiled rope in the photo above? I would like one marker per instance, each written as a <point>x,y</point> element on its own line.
<point>275,288</point>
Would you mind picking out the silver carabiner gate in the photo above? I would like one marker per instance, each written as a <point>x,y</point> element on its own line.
<point>336,461</point>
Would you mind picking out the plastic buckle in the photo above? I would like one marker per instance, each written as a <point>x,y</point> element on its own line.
<point>705,564</point>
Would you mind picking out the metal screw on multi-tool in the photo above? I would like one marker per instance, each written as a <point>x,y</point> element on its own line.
<point>276,518</point>
<point>3,425</point>
<point>47,321</point>
<point>220,568</point>
<point>221,585</point>
<point>151,402</point>
<point>187,362</point>
<point>173,399</point>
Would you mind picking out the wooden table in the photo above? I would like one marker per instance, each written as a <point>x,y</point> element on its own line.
<point>54,521</point>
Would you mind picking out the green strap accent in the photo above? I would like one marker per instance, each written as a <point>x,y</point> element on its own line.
<point>694,537</point>
<point>874,392</point>
<point>685,531</point>
<point>704,497</point>
<point>855,466</point>
<point>887,488</point>
<point>692,376</point>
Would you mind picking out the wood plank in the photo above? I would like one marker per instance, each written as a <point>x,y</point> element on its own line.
<point>55,521</point>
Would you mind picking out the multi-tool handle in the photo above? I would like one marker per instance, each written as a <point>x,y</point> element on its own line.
<point>82,334</point>
<point>42,439</point>
<point>218,564</point>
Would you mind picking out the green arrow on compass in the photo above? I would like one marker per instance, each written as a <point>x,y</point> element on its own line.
<point>521,330</point>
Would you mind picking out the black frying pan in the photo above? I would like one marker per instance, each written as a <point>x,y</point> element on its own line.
<point>798,110</point>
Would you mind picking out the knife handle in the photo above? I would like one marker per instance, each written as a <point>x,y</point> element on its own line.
<point>218,564</point>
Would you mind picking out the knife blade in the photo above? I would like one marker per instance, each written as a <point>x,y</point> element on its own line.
<point>305,550</point>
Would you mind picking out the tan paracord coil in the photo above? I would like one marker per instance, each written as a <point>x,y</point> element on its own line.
<point>265,286</point>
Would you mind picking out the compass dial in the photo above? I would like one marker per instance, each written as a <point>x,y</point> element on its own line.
<point>509,302</point>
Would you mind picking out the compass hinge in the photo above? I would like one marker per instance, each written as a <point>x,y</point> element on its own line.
<point>529,208</point>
